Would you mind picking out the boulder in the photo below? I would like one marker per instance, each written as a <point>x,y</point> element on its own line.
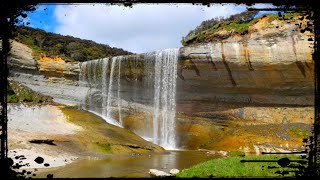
<point>174,171</point>
<point>158,173</point>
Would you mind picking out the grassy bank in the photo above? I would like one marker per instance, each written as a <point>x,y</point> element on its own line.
<point>210,30</point>
<point>232,167</point>
<point>20,93</point>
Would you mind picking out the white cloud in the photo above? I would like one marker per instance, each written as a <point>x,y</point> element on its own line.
<point>142,28</point>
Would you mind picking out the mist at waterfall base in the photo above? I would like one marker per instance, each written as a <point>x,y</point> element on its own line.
<point>151,82</point>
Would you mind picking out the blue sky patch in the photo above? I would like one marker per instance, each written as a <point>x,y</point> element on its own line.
<point>43,17</point>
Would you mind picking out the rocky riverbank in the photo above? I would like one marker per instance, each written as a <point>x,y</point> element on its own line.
<point>29,124</point>
<point>60,135</point>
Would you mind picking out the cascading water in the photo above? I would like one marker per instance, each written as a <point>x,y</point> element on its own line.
<point>164,98</point>
<point>99,97</point>
<point>104,87</point>
<point>119,86</point>
<point>110,95</point>
<point>152,81</point>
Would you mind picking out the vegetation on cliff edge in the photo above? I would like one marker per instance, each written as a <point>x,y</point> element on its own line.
<point>67,47</point>
<point>208,31</point>
<point>19,93</point>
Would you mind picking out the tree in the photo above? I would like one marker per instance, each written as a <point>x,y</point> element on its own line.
<point>40,39</point>
<point>243,17</point>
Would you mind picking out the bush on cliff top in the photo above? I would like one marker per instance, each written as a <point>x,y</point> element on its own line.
<point>67,47</point>
<point>238,23</point>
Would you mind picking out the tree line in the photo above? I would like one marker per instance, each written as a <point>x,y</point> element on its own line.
<point>67,47</point>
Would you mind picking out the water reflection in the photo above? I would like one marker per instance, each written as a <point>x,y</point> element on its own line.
<point>134,165</point>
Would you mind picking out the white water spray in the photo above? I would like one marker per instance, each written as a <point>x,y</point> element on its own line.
<point>104,87</point>
<point>119,99</point>
<point>164,98</point>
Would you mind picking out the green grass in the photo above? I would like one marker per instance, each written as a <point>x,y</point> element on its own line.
<point>204,36</point>
<point>19,93</point>
<point>232,167</point>
<point>241,28</point>
<point>236,153</point>
<point>104,148</point>
<point>272,17</point>
<point>298,132</point>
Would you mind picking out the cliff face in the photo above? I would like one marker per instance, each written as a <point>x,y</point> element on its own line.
<point>57,67</point>
<point>21,58</point>
<point>273,59</point>
<point>272,64</point>
<point>263,77</point>
<point>50,76</point>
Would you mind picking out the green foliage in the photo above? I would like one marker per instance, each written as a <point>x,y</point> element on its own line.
<point>19,93</point>
<point>239,23</point>
<point>299,133</point>
<point>272,17</point>
<point>67,47</point>
<point>232,167</point>
<point>290,15</point>
<point>239,28</point>
<point>104,148</point>
<point>212,25</point>
<point>37,51</point>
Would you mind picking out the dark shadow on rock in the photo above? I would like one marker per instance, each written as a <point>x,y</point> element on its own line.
<point>43,141</point>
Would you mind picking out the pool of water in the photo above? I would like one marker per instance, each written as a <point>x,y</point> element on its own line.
<point>130,165</point>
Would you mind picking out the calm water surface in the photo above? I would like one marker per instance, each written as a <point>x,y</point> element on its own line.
<point>130,165</point>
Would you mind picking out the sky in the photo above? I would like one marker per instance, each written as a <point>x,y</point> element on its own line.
<point>141,28</point>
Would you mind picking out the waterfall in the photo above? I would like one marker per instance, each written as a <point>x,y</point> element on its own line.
<point>99,90</point>
<point>111,97</point>
<point>119,86</point>
<point>104,88</point>
<point>146,80</point>
<point>110,88</point>
<point>164,98</point>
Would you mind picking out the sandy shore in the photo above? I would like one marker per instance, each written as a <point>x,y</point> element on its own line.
<point>27,123</point>
<point>60,135</point>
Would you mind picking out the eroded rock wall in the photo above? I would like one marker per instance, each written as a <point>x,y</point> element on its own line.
<point>51,76</point>
<point>263,77</point>
<point>272,64</point>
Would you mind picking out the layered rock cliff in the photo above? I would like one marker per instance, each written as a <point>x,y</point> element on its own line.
<point>263,77</point>
<point>50,76</point>
<point>273,60</point>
